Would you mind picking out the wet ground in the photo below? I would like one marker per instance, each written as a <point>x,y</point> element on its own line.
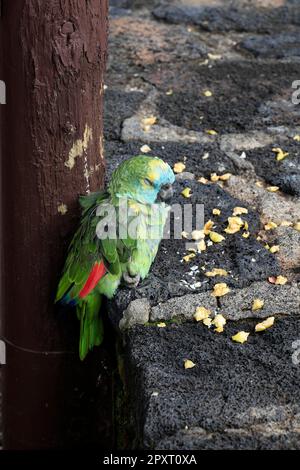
<point>228,67</point>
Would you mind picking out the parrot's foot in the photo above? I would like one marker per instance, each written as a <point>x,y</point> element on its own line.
<point>131,281</point>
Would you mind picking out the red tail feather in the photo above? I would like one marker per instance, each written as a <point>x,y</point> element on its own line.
<point>96,274</point>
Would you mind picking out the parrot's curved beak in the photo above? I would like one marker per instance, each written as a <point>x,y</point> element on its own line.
<point>166,192</point>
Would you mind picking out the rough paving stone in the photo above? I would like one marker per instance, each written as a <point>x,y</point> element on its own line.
<point>289,241</point>
<point>243,97</point>
<point>183,307</point>
<point>233,386</point>
<point>271,206</point>
<point>285,174</point>
<point>275,46</point>
<point>126,103</point>
<point>227,19</point>
<point>138,312</point>
<point>279,300</point>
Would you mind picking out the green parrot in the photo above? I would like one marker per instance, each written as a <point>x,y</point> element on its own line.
<point>116,242</point>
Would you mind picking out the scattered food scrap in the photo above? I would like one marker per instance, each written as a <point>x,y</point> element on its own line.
<point>161,325</point>
<point>272,189</point>
<point>216,272</point>
<point>148,122</point>
<point>239,211</point>
<point>240,337</point>
<point>203,180</point>
<point>207,93</point>
<point>207,227</point>
<point>281,155</point>
<point>297,226</point>
<point>216,212</point>
<point>188,258</point>
<point>220,290</point>
<point>274,249</point>
<point>202,313</point>
<point>211,132</point>
<point>279,280</point>
<point>197,235</point>
<point>270,226</point>
<point>145,149</point>
<point>219,322</point>
<point>189,364</point>
<point>257,304</point>
<point>216,237</point>
<point>225,177</point>
<point>179,167</point>
<point>265,324</point>
<point>187,193</point>
<point>234,225</point>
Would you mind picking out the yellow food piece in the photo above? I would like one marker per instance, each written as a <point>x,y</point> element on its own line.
<point>225,177</point>
<point>207,322</point>
<point>280,153</point>
<point>216,237</point>
<point>188,364</point>
<point>187,193</point>
<point>161,325</point>
<point>297,226</point>
<point>188,258</point>
<point>169,92</point>
<point>297,138</point>
<point>246,225</point>
<point>220,290</point>
<point>216,212</point>
<point>281,280</point>
<point>145,149</point>
<point>216,272</point>
<point>240,337</point>
<point>219,321</point>
<point>184,234</point>
<point>286,223</point>
<point>197,235</point>
<point>202,313</point>
<point>149,121</point>
<point>220,329</point>
<point>211,132</point>
<point>272,189</point>
<point>234,225</point>
<point>265,324</point>
<point>239,211</point>
<point>246,235</point>
<point>208,226</point>
<point>201,246</point>
<point>270,226</point>
<point>179,167</point>
<point>274,249</point>
<point>259,184</point>
<point>207,93</point>
<point>257,304</point>
<point>203,180</point>
<point>214,177</point>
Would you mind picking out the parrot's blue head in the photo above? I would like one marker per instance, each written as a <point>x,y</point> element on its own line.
<point>144,179</point>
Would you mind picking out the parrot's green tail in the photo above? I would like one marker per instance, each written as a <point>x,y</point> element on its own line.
<point>91,325</point>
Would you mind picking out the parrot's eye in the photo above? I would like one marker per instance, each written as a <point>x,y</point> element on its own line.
<point>148,182</point>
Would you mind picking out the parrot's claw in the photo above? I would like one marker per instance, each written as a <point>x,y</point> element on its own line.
<point>131,281</point>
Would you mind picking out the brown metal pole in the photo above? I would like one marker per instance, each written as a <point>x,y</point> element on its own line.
<point>53,59</point>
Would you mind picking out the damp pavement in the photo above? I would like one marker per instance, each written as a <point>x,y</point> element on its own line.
<point>199,66</point>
